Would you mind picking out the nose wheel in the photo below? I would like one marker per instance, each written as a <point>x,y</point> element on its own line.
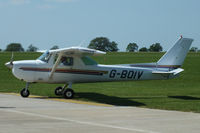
<point>25,92</point>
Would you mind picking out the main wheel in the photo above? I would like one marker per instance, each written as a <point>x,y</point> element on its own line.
<point>68,94</point>
<point>58,91</point>
<point>24,93</point>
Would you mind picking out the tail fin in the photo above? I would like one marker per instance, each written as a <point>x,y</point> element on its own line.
<point>176,55</point>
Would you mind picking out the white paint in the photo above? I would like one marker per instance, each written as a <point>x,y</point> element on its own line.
<point>177,54</point>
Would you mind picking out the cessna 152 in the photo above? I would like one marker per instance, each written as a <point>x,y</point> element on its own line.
<point>73,65</point>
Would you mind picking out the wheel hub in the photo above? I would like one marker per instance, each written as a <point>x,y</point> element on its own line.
<point>68,94</point>
<point>25,92</point>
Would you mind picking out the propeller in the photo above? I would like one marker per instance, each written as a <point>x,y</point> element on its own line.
<point>10,64</point>
<point>11,59</point>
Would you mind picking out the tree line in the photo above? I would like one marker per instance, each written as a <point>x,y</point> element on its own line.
<point>104,44</point>
<point>17,47</point>
<point>99,43</point>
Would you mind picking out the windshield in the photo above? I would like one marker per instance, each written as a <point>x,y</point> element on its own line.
<point>45,56</point>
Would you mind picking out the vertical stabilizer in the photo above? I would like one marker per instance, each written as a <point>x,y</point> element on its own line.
<point>176,55</point>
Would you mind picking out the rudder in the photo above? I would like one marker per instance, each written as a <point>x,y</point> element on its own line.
<point>175,56</point>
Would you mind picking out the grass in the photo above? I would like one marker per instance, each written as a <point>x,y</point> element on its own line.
<point>181,94</point>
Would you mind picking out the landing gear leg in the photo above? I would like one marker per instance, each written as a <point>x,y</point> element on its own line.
<point>25,92</point>
<point>68,93</point>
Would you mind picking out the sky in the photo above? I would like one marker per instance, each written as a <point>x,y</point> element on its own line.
<point>66,23</point>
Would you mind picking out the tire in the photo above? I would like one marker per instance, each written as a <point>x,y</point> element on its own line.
<point>58,91</point>
<point>68,94</point>
<point>24,93</point>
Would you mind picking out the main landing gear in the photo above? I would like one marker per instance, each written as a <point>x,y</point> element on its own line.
<point>67,93</point>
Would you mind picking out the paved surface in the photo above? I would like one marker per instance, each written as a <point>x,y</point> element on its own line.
<point>33,115</point>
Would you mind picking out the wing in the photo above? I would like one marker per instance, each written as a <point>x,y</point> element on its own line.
<point>78,51</point>
<point>41,51</point>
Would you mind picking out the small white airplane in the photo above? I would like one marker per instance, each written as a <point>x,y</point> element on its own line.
<point>73,65</point>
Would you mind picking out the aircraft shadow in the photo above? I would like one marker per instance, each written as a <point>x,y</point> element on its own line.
<point>105,99</point>
<point>101,98</point>
<point>185,97</point>
<point>7,107</point>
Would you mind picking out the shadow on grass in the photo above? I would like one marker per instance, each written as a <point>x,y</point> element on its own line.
<point>185,97</point>
<point>112,100</point>
<point>146,97</point>
<point>100,98</point>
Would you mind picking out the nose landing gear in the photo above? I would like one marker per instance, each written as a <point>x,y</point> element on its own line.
<point>25,92</point>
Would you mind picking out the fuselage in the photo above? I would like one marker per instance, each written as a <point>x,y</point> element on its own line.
<point>81,72</point>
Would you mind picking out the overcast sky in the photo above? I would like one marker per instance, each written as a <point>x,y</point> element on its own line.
<point>65,23</point>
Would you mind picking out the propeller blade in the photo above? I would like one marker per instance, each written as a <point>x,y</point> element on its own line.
<point>10,64</point>
<point>11,59</point>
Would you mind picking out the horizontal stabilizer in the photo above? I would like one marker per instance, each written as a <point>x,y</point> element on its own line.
<point>174,72</point>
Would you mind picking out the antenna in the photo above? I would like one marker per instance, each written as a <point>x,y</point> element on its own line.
<point>82,42</point>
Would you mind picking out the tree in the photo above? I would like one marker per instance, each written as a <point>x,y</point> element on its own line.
<point>155,47</point>
<point>103,44</point>
<point>55,47</point>
<point>14,47</point>
<point>113,47</point>
<point>194,49</point>
<point>32,48</point>
<point>132,47</point>
<point>143,49</point>
<point>0,49</point>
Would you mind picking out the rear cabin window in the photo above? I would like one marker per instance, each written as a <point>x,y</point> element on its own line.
<point>88,61</point>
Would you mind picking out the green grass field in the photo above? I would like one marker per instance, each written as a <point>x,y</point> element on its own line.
<point>181,94</point>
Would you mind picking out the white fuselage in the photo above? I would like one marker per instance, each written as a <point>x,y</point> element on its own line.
<point>39,71</point>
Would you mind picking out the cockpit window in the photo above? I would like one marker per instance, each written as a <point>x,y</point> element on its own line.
<point>45,57</point>
<point>67,61</point>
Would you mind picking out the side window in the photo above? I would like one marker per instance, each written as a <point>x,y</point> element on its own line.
<point>67,61</point>
<point>88,61</point>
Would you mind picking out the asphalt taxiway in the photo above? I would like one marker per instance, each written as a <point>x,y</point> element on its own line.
<point>34,115</point>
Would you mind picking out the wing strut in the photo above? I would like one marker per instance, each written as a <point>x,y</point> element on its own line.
<point>55,65</point>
